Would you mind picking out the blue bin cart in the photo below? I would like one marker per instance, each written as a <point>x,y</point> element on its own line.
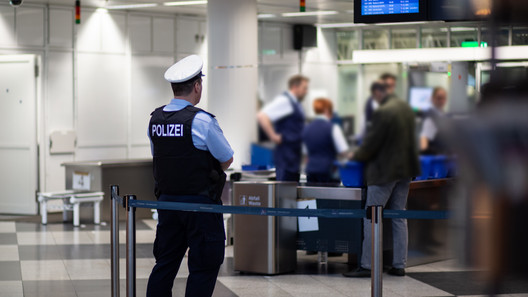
<point>351,174</point>
<point>439,167</point>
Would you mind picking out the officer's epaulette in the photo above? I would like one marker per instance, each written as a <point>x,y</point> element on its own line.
<point>161,107</point>
<point>196,109</point>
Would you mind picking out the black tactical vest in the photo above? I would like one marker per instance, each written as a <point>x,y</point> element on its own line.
<point>179,167</point>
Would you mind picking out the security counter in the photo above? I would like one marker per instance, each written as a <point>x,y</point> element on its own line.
<point>134,176</point>
<point>428,239</point>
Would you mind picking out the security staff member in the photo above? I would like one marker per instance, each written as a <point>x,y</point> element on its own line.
<point>283,121</point>
<point>324,141</point>
<point>190,155</point>
<point>432,140</point>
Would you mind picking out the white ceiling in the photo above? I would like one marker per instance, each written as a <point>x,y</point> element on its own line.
<point>277,7</point>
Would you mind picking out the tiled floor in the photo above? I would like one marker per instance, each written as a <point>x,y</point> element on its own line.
<point>58,260</point>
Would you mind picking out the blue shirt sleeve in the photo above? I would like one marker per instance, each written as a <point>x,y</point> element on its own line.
<point>208,136</point>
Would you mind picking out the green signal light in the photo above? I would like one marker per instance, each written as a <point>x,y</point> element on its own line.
<point>449,73</point>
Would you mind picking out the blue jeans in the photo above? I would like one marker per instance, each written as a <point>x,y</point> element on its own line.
<point>391,195</point>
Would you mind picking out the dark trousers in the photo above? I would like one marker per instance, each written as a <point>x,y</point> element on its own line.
<point>284,175</point>
<point>202,233</point>
<point>319,178</point>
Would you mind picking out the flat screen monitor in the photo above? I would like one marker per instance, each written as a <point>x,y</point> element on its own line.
<point>387,11</point>
<point>420,98</point>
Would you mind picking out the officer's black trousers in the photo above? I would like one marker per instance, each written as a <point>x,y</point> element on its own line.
<point>202,233</point>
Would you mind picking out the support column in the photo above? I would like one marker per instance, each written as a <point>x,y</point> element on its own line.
<point>232,71</point>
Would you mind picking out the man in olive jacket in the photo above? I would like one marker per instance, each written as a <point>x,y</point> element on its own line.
<point>390,154</point>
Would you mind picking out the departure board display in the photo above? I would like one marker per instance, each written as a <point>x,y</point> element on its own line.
<point>388,7</point>
<point>387,11</point>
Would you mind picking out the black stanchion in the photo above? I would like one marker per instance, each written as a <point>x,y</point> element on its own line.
<point>376,274</point>
<point>114,238</point>
<point>130,247</point>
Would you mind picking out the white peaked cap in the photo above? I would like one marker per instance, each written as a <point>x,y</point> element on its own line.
<point>184,70</point>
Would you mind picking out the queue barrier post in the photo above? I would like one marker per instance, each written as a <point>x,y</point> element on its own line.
<point>115,202</point>
<point>130,247</point>
<point>376,273</point>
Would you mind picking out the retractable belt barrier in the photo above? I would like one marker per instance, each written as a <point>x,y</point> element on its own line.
<point>375,213</point>
<point>288,212</point>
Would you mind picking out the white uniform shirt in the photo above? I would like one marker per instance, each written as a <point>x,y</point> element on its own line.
<point>279,108</point>
<point>429,128</point>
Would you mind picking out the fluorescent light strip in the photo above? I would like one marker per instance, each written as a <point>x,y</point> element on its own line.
<point>352,25</point>
<point>310,13</point>
<point>128,6</point>
<point>266,16</point>
<point>403,23</point>
<point>185,3</point>
<point>340,25</point>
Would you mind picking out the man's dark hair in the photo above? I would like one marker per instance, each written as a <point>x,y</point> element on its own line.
<point>387,75</point>
<point>185,88</point>
<point>296,80</point>
<point>378,86</point>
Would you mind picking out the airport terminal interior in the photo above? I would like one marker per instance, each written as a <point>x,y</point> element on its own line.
<point>79,80</point>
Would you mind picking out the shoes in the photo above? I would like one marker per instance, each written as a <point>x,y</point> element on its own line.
<point>360,272</point>
<point>396,271</point>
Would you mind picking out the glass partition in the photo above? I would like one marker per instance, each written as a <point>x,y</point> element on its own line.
<point>434,37</point>
<point>375,39</point>
<point>520,36</point>
<point>463,34</point>
<point>347,42</point>
<point>503,37</point>
<point>403,38</point>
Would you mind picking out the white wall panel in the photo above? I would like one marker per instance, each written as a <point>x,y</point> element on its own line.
<point>326,50</point>
<point>55,173</point>
<point>61,27</point>
<point>114,32</point>
<point>102,106</point>
<point>163,35</point>
<point>186,32</point>
<point>323,83</point>
<point>273,80</point>
<point>30,26</point>
<point>59,111</point>
<point>7,25</point>
<point>270,45</point>
<point>91,154</point>
<point>140,152</point>
<point>89,32</point>
<point>140,28</point>
<point>288,53</point>
<point>149,91</point>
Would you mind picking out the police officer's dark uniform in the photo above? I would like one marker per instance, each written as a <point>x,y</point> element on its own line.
<point>185,170</point>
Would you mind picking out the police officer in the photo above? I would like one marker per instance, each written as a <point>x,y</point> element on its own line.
<point>324,141</point>
<point>283,121</point>
<point>190,155</point>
